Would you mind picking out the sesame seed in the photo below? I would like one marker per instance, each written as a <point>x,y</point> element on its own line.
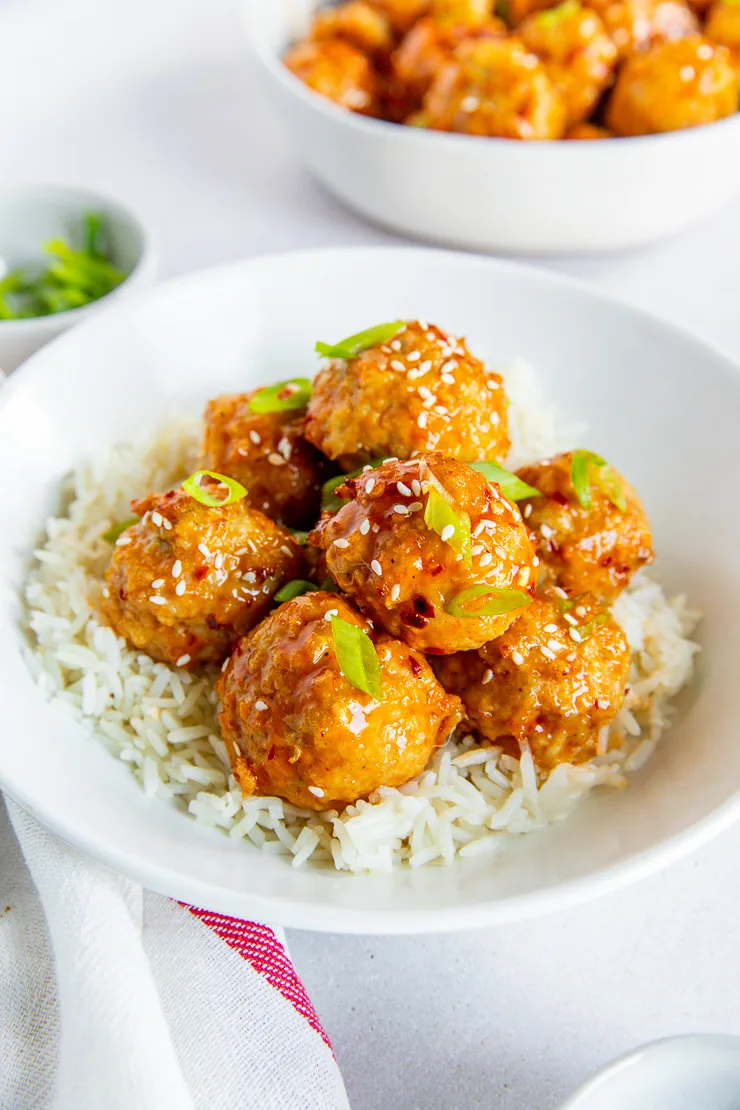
<point>572,657</point>
<point>396,345</point>
<point>449,366</point>
<point>402,510</point>
<point>478,549</point>
<point>415,506</point>
<point>157,600</point>
<point>275,460</point>
<point>551,628</point>
<point>517,658</point>
<point>182,661</point>
<point>166,524</point>
<point>575,635</point>
<point>500,552</point>
<point>480,527</point>
<point>524,576</point>
<point>554,645</point>
<point>376,527</point>
<point>424,392</point>
<point>531,61</point>
<point>414,356</point>
<point>403,489</point>
<point>224,665</point>
<point>342,543</point>
<point>375,565</point>
<point>705,52</point>
<point>421,420</point>
<point>440,410</point>
<point>470,103</point>
<point>180,588</point>
<point>285,448</point>
<point>447,532</point>
<point>560,592</point>
<point>492,384</point>
<point>365,527</point>
<point>602,703</point>
<point>157,519</point>
<point>204,551</point>
<point>249,576</point>
<point>547,531</point>
<point>486,560</point>
<point>316,791</point>
<point>176,569</point>
<point>260,705</point>
<point>395,592</point>
<point>429,401</point>
<point>487,676</point>
<point>448,379</point>
<point>285,549</point>
<point>416,487</point>
<point>218,562</point>
<point>252,546</point>
<point>370,485</point>
<point>396,364</point>
<point>536,561</point>
<point>122,541</point>
<point>581,610</point>
<point>547,652</point>
<point>331,613</point>
<point>527,510</point>
<point>157,583</point>
<point>687,73</point>
<point>569,618</point>
<point>255,437</point>
<point>425,366</point>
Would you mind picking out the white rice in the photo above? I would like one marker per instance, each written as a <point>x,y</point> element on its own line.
<point>162,721</point>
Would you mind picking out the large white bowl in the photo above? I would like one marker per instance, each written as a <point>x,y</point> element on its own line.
<point>495,194</point>
<point>661,405</point>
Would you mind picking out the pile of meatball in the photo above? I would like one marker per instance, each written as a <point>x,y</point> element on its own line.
<point>528,69</point>
<point>385,430</point>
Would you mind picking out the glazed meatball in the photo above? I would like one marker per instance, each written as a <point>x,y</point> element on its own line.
<point>583,131</point>
<point>422,391</point>
<point>592,550</point>
<point>295,727</point>
<point>187,580</point>
<point>355,22</point>
<point>495,88</point>
<point>637,25</point>
<point>431,44</point>
<point>676,85</point>
<point>402,14</point>
<point>338,71</point>
<point>550,684</point>
<point>577,53</point>
<point>723,27</point>
<point>281,471</point>
<point>400,571</point>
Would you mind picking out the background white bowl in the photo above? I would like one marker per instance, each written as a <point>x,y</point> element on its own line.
<point>495,194</point>
<point>679,1073</point>
<point>32,214</point>
<point>661,405</point>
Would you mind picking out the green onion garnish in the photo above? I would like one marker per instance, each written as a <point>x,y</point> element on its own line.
<point>450,525</point>
<point>294,589</point>
<point>329,501</point>
<point>553,16</point>
<point>357,657</point>
<point>587,630</point>
<point>606,479</point>
<point>118,529</point>
<point>300,537</point>
<point>511,486</point>
<point>501,601</point>
<point>355,344</point>
<point>295,393</point>
<point>192,486</point>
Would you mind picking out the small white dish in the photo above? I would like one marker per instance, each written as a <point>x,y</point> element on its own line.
<point>662,406</point>
<point>495,194</point>
<point>32,214</point>
<point>679,1073</point>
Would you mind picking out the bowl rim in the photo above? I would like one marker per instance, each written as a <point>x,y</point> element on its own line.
<point>396,132</point>
<point>294,913</point>
<point>86,197</point>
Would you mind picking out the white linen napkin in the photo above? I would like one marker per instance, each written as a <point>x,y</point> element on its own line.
<point>114,998</point>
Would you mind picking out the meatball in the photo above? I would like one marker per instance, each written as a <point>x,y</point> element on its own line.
<point>294,726</point>
<point>355,22</point>
<point>400,571</point>
<point>577,53</point>
<point>281,471</point>
<point>402,14</point>
<point>429,45</point>
<point>422,391</point>
<point>495,88</point>
<point>723,27</point>
<point>676,85</point>
<point>636,25</point>
<point>187,580</point>
<point>583,131</point>
<point>338,71</point>
<point>592,550</point>
<point>549,685</point>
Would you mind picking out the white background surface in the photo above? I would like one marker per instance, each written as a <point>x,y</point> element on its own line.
<point>153,100</point>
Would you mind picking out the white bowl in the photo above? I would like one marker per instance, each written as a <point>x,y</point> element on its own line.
<point>32,214</point>
<point>661,405</point>
<point>495,194</point>
<point>679,1073</point>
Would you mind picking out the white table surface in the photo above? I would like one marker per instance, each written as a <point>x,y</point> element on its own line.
<point>153,100</point>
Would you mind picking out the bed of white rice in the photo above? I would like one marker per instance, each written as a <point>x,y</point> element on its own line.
<point>163,722</point>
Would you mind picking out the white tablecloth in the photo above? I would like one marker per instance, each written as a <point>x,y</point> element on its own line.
<point>153,100</point>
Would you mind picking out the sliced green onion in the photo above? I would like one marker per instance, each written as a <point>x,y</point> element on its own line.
<point>552,16</point>
<point>293,589</point>
<point>606,479</point>
<point>586,631</point>
<point>92,230</point>
<point>192,486</point>
<point>357,657</point>
<point>510,485</point>
<point>329,501</point>
<point>295,393</point>
<point>300,537</point>
<point>500,602</point>
<point>450,525</point>
<point>355,344</point>
<point>329,586</point>
<point>118,529</point>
